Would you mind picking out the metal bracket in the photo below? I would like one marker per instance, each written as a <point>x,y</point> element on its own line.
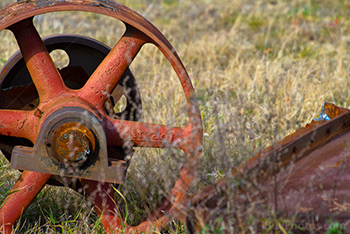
<point>98,167</point>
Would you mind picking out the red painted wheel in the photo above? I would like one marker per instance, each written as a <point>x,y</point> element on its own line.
<point>84,54</point>
<point>65,119</point>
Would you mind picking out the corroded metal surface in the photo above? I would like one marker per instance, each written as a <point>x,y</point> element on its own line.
<point>72,143</point>
<point>54,95</point>
<point>306,175</point>
<point>59,151</point>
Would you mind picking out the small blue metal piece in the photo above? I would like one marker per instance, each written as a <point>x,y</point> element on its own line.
<point>323,114</point>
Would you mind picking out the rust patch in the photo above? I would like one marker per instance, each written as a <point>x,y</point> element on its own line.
<point>38,113</point>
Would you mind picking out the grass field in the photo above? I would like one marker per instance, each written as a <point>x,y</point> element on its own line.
<point>261,70</point>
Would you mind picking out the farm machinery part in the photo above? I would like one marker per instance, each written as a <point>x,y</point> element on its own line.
<point>85,54</point>
<point>59,126</point>
<point>305,176</point>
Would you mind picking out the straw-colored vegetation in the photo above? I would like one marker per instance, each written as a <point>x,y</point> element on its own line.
<point>261,70</point>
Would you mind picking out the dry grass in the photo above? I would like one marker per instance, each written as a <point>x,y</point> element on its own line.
<point>261,69</point>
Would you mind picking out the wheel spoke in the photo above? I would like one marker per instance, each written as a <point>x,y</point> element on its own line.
<point>120,132</point>
<point>42,69</point>
<point>18,123</point>
<point>110,71</point>
<point>22,194</point>
<point>101,195</point>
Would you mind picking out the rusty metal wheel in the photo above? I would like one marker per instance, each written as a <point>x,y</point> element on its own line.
<point>84,54</point>
<point>72,131</point>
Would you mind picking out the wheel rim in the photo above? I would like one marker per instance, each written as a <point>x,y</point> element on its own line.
<point>54,94</point>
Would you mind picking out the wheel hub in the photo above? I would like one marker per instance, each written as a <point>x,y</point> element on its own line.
<point>72,143</point>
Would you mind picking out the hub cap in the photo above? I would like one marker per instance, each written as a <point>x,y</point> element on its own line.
<point>72,143</point>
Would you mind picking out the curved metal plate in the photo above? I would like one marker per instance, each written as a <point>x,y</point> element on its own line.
<point>306,175</point>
